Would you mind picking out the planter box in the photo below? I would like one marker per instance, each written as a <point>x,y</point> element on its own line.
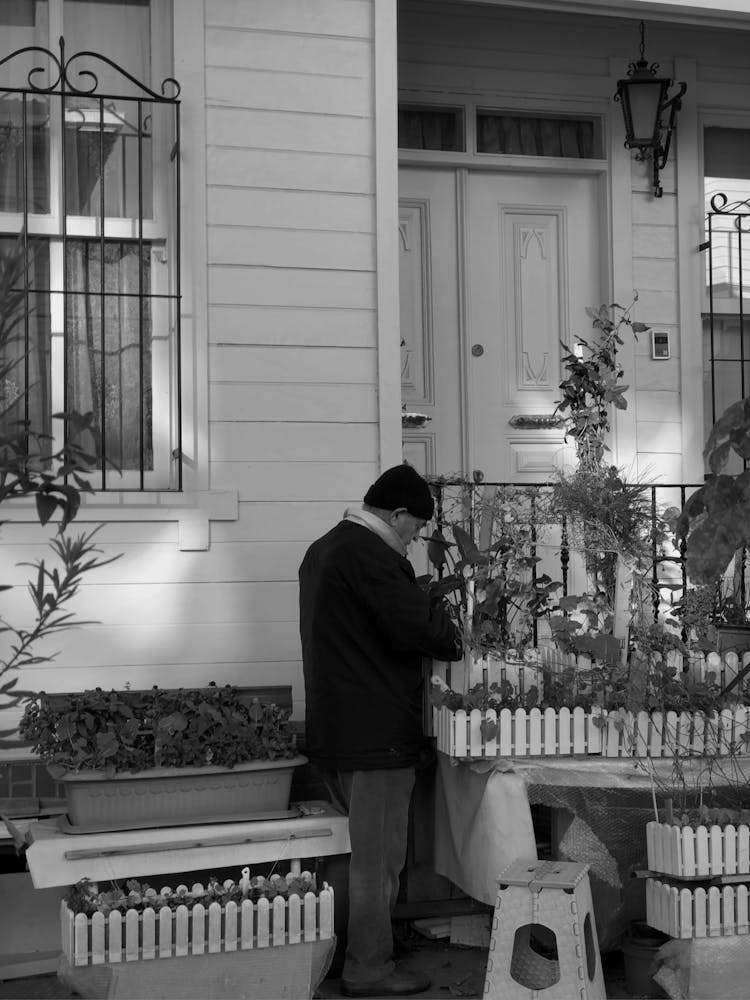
<point>175,796</point>
<point>519,734</point>
<point>201,930</point>
<point>664,734</point>
<point>708,851</point>
<point>697,913</point>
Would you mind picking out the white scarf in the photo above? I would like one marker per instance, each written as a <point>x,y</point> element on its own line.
<point>380,528</point>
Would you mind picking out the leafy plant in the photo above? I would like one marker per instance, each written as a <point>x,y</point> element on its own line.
<point>593,382</point>
<point>715,520</point>
<point>636,686</point>
<point>31,467</point>
<point>695,614</point>
<point>86,897</point>
<point>484,551</point>
<point>135,730</point>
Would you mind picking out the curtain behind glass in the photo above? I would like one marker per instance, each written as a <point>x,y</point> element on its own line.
<point>109,364</point>
<point>23,23</point>
<point>25,389</point>
<point>525,135</point>
<point>428,128</point>
<point>117,29</point>
<point>101,164</point>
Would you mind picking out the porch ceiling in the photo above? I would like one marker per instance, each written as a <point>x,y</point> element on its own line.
<point>709,13</point>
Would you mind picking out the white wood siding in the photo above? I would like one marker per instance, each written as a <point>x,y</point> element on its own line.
<point>291,371</point>
<point>293,368</point>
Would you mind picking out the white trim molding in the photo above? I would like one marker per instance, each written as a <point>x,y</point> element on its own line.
<point>386,232</point>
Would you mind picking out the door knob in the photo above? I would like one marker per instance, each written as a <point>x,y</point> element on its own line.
<point>477,350</point>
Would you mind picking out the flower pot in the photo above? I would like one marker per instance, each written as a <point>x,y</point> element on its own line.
<point>214,927</point>
<point>177,796</point>
<point>277,947</point>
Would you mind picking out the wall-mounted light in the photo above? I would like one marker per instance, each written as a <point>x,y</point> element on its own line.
<point>90,119</point>
<point>645,101</point>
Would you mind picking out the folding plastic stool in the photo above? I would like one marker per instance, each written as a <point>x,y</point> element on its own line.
<point>544,942</point>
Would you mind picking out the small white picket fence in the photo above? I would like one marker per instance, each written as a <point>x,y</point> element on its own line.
<point>666,734</point>
<point>697,913</point>
<point>534,733</point>
<point>688,853</point>
<point>200,930</point>
<point>524,673</point>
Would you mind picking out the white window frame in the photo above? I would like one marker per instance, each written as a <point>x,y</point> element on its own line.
<point>196,505</point>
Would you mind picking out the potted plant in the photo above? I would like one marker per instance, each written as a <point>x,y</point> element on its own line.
<point>132,759</point>
<point>715,520</point>
<point>608,519</point>
<point>139,920</point>
<point>699,851</point>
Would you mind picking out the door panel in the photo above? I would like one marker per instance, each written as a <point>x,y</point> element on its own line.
<point>429,318</point>
<point>533,267</point>
<point>487,373</point>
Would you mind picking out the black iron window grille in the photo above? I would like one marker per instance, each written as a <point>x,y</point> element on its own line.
<point>727,322</point>
<point>90,259</point>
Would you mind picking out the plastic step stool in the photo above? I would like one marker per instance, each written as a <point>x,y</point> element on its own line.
<point>544,942</point>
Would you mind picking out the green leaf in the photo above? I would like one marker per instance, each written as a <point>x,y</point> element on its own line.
<point>45,507</point>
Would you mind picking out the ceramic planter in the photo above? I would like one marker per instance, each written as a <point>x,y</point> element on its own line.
<point>175,796</point>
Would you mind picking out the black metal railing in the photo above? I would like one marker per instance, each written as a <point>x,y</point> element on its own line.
<point>549,535</point>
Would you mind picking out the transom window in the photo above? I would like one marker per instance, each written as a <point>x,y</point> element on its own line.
<point>89,191</point>
<point>495,131</point>
<point>538,135</point>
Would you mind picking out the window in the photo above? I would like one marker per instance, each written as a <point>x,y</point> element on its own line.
<point>89,254</point>
<point>430,127</point>
<point>726,315</point>
<point>536,135</point>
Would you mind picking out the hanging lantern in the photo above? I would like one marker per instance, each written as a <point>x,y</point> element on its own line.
<point>644,99</point>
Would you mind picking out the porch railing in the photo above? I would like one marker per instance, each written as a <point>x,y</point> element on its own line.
<point>460,501</point>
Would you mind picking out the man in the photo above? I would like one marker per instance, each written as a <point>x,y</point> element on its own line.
<point>365,625</point>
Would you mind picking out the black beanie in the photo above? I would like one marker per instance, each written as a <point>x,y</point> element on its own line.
<point>402,486</point>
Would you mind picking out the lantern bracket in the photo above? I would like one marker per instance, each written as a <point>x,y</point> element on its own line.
<point>653,142</point>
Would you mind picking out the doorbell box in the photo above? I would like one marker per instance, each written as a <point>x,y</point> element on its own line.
<point>659,345</point>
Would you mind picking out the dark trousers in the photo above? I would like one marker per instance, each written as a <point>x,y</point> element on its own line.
<point>377,804</point>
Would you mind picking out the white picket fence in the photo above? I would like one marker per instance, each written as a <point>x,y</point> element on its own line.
<point>697,913</point>
<point>565,732</point>
<point>532,733</point>
<point>688,853</point>
<point>201,930</point>
<point>664,734</point>
<point>519,734</point>
<point>525,673</point>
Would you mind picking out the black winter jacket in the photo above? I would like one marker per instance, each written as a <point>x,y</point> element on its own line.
<point>365,625</point>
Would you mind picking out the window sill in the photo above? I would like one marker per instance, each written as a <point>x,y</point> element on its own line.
<point>193,511</point>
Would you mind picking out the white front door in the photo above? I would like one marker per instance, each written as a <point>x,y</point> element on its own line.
<point>505,268</point>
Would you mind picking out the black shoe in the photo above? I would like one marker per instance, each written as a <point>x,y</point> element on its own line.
<point>398,983</point>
